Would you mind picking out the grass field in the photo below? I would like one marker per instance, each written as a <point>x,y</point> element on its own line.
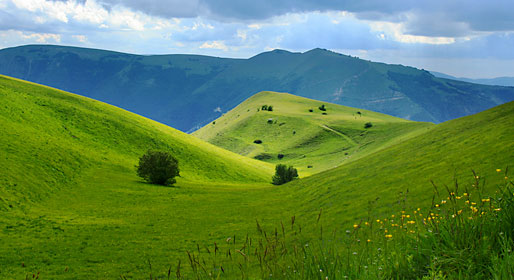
<point>311,141</point>
<point>73,208</point>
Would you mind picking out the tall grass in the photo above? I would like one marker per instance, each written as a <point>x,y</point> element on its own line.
<point>464,234</point>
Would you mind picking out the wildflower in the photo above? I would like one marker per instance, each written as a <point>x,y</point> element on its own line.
<point>459,212</point>
<point>497,209</point>
<point>486,200</point>
<point>392,216</point>
<point>457,197</point>
<point>506,178</point>
<point>366,223</point>
<point>407,216</point>
<point>465,194</point>
<point>453,215</point>
<point>437,205</point>
<point>467,202</point>
<point>388,236</point>
<point>355,226</point>
<point>477,177</point>
<point>378,221</point>
<point>411,222</point>
<point>369,240</point>
<point>452,193</point>
<point>419,209</point>
<point>470,218</point>
<point>473,203</point>
<point>498,170</point>
<point>443,201</point>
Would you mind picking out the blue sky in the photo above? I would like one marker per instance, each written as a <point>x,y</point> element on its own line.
<point>465,38</point>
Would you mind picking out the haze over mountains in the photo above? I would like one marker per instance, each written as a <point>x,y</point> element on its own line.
<point>188,91</point>
<point>499,81</point>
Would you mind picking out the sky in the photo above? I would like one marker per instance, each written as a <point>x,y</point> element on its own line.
<point>463,38</point>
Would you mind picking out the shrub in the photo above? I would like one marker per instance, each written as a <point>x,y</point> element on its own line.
<point>310,110</point>
<point>158,167</point>
<point>322,107</point>
<point>270,108</point>
<point>368,125</point>
<point>284,174</point>
<point>270,121</point>
<point>264,107</point>
<point>263,156</point>
<point>280,156</point>
<point>257,141</point>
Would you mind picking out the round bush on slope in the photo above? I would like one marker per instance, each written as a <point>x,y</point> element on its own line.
<point>158,167</point>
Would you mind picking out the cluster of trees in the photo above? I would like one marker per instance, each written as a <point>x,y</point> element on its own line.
<point>267,108</point>
<point>284,174</point>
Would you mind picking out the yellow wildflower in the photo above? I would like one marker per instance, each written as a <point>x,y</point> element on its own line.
<point>389,236</point>
<point>498,170</point>
<point>355,226</point>
<point>486,200</point>
<point>369,240</point>
<point>497,209</point>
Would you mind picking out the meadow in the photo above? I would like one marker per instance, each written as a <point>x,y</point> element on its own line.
<point>73,208</point>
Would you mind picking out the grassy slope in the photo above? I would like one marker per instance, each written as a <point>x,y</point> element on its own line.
<point>481,142</point>
<point>50,137</point>
<point>305,138</point>
<point>76,209</point>
<point>104,222</point>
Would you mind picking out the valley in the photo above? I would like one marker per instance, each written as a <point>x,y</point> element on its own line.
<point>73,208</point>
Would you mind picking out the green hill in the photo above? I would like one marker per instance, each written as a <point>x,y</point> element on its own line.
<point>50,137</point>
<point>168,88</point>
<point>448,152</point>
<point>80,212</point>
<point>311,141</point>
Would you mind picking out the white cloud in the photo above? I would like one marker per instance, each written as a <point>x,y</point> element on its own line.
<point>219,45</point>
<point>80,38</point>
<point>396,32</point>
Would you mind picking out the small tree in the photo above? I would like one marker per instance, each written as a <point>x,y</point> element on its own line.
<point>284,174</point>
<point>158,167</point>
<point>322,107</point>
<point>368,125</point>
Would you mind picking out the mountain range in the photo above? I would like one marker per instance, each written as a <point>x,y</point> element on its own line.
<point>189,91</point>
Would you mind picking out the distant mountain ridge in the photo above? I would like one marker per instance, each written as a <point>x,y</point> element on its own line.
<point>499,81</point>
<point>189,91</point>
